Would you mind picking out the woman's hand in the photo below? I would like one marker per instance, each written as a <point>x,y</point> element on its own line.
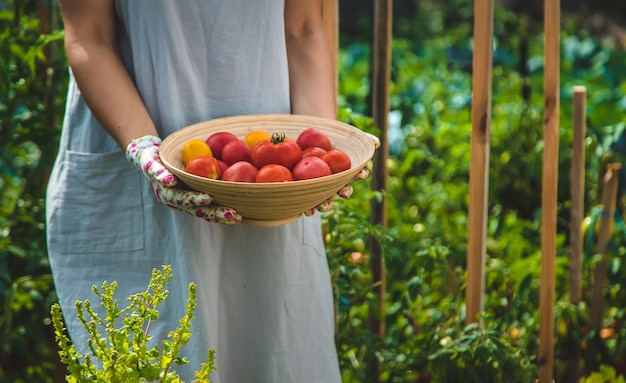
<point>144,154</point>
<point>346,191</point>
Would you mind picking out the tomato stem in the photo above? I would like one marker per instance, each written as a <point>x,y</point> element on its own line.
<point>277,138</point>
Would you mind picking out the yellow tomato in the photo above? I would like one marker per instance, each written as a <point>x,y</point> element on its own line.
<point>195,148</point>
<point>255,137</point>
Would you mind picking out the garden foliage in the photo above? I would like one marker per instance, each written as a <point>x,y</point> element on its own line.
<point>32,87</point>
<point>425,243</point>
<point>121,348</point>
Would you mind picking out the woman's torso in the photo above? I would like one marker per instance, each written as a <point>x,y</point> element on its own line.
<point>193,61</point>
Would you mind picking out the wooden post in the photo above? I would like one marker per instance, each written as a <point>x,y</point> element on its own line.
<point>479,162</point>
<point>330,15</point>
<point>576,217</point>
<point>609,200</point>
<point>381,76</point>
<point>549,190</point>
<point>596,306</point>
<point>577,191</point>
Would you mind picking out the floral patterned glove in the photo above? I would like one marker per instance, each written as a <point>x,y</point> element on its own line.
<point>144,154</point>
<point>346,191</point>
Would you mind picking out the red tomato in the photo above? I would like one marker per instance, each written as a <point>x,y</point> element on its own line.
<point>241,171</point>
<point>313,151</point>
<point>311,167</point>
<point>235,151</point>
<point>204,166</point>
<point>218,140</point>
<point>279,150</point>
<point>273,173</point>
<point>313,137</point>
<point>223,165</point>
<point>337,160</point>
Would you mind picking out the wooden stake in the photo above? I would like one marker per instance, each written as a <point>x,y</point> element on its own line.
<point>609,200</point>
<point>577,195</point>
<point>479,162</point>
<point>576,216</point>
<point>381,76</point>
<point>549,190</point>
<point>596,306</point>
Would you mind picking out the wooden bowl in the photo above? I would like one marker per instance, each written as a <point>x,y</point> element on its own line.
<point>275,203</point>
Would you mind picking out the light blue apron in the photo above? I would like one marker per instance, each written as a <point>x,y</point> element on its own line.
<point>264,293</point>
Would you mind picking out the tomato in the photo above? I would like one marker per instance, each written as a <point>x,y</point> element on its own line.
<point>279,150</point>
<point>218,140</point>
<point>313,151</point>
<point>311,167</point>
<point>204,166</point>
<point>223,165</point>
<point>255,137</point>
<point>357,257</point>
<point>358,244</point>
<point>337,160</point>
<point>273,173</point>
<point>241,171</point>
<point>194,148</point>
<point>313,137</point>
<point>235,151</point>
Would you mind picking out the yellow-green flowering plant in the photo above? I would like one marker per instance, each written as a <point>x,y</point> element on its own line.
<point>119,341</point>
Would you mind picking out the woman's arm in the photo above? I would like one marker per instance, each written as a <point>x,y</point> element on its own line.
<point>90,45</point>
<point>311,71</point>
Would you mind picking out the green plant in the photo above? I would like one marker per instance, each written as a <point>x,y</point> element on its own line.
<point>606,374</point>
<point>32,88</point>
<point>478,354</point>
<point>122,351</point>
<point>429,141</point>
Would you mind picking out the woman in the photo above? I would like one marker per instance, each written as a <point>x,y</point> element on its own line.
<point>140,70</point>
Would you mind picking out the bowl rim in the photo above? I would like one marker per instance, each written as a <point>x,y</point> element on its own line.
<point>268,117</point>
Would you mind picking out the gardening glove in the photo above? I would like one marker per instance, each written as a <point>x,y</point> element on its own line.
<point>346,191</point>
<point>144,154</point>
